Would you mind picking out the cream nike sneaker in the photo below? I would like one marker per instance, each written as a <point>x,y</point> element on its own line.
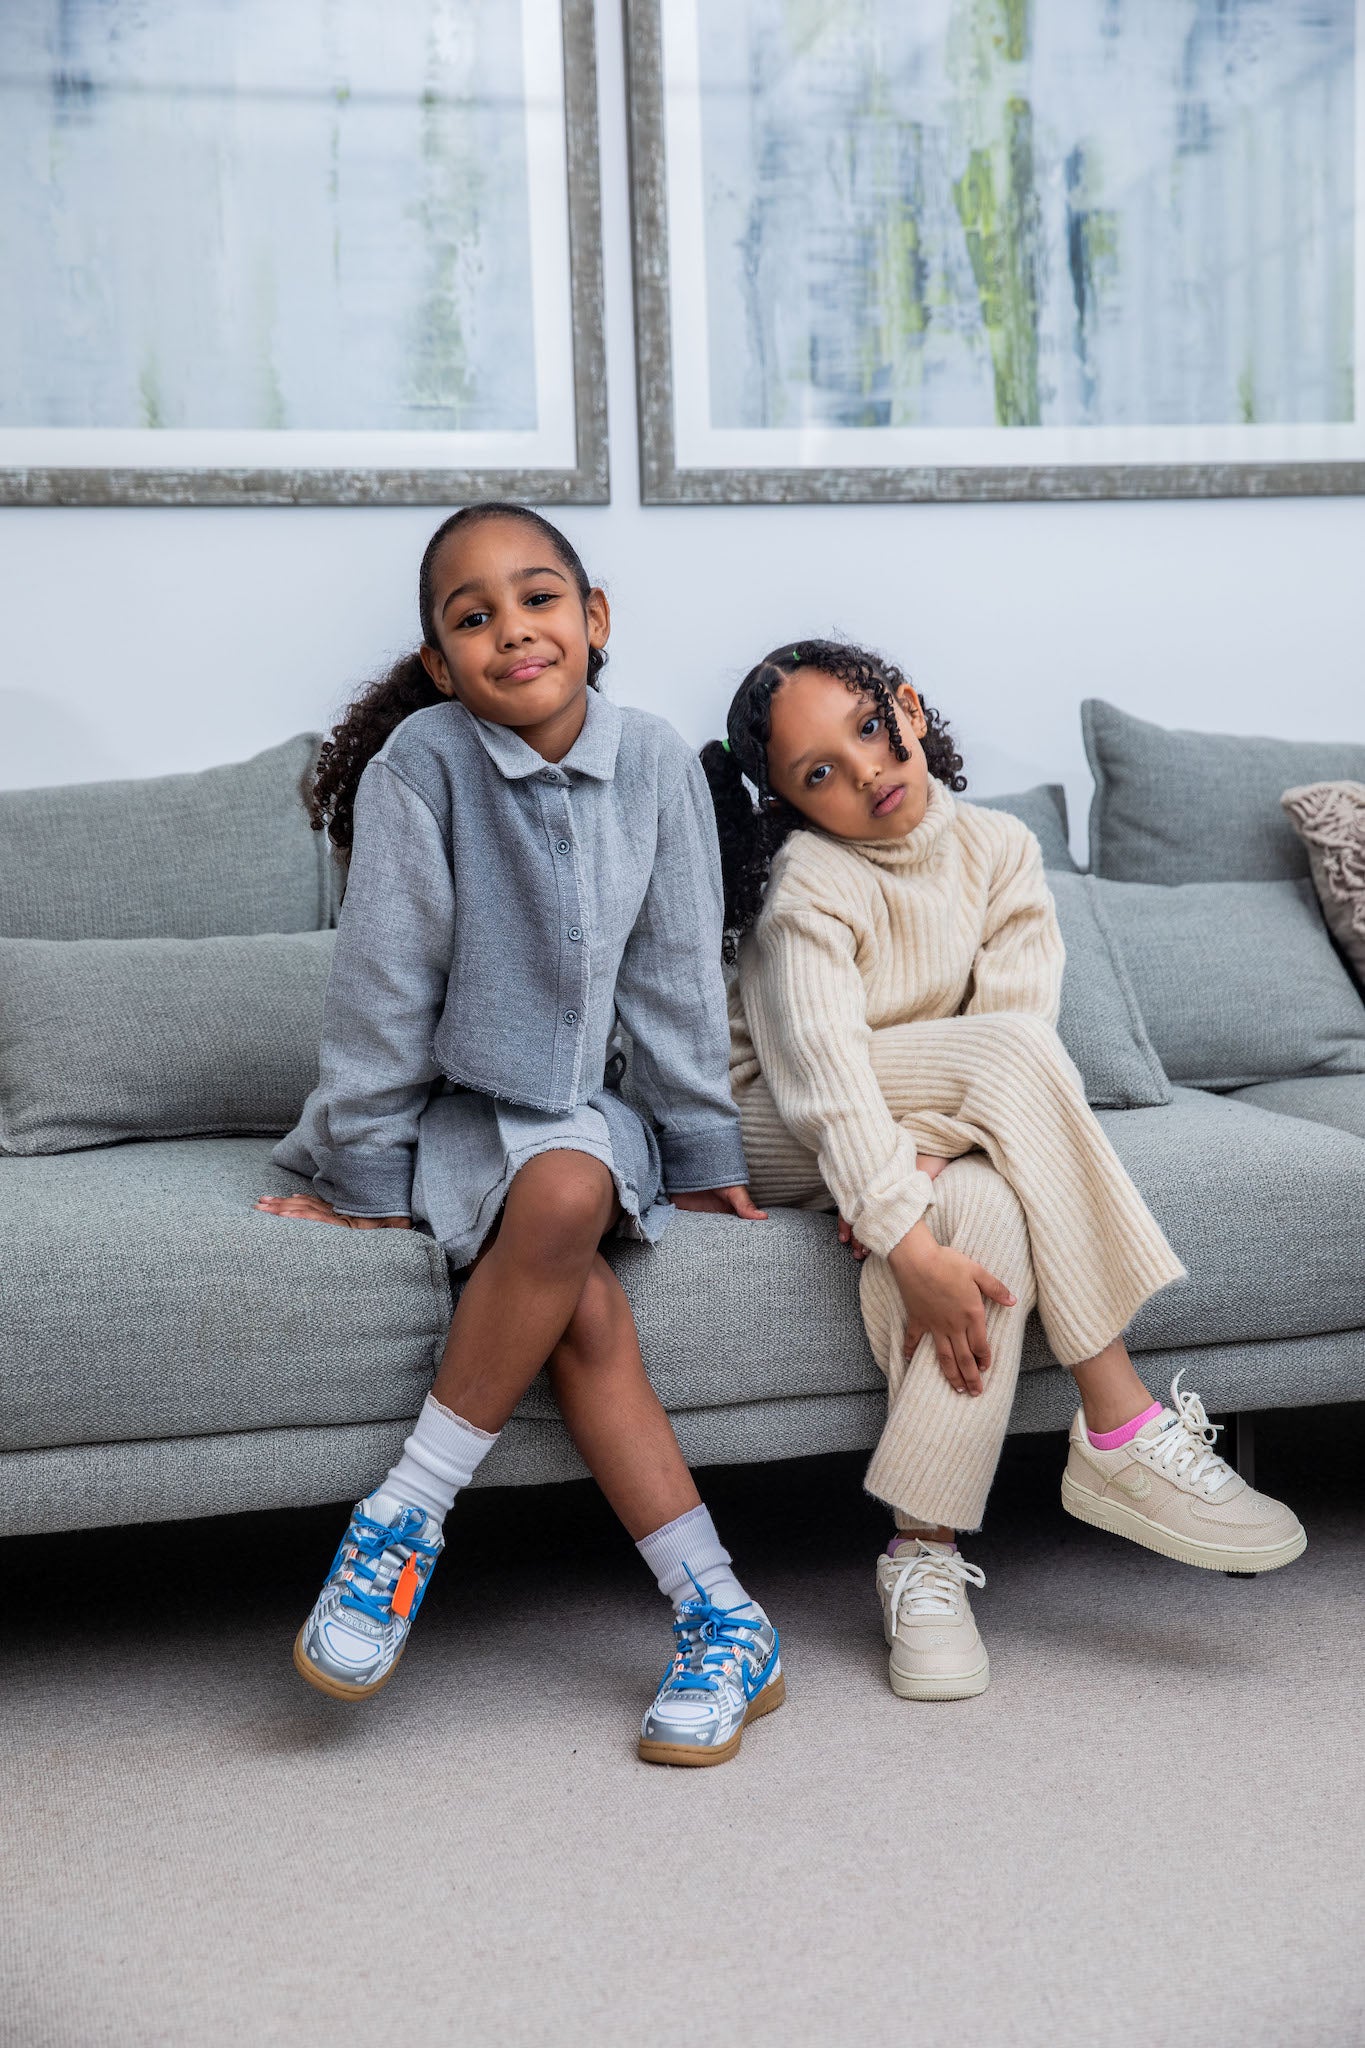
<point>1167,1488</point>
<point>936,1653</point>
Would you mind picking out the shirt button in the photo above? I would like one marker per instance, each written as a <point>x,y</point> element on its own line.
<point>575,933</point>
<point>571,1016</point>
<point>561,846</point>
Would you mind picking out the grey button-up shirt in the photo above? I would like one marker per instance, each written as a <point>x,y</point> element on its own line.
<point>501,914</point>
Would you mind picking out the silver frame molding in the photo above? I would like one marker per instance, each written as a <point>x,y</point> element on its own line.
<point>587,483</point>
<point>663,483</point>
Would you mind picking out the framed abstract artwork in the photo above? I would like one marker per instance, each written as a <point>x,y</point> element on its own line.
<point>998,248</point>
<point>326,252</point>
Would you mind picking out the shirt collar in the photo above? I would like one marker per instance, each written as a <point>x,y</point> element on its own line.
<point>592,753</point>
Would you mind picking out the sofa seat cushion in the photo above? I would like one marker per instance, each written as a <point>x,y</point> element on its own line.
<point>146,1297</point>
<point>1267,1212</point>
<point>1336,1099</point>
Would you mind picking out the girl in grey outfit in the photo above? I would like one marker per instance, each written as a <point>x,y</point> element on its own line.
<point>532,870</point>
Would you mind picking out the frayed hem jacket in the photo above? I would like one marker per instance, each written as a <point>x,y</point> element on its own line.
<point>504,918</point>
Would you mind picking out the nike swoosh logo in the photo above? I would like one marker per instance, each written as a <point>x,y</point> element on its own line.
<point>1136,1484</point>
<point>752,1691</point>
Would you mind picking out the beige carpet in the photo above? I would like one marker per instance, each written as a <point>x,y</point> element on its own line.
<point>1149,1831</point>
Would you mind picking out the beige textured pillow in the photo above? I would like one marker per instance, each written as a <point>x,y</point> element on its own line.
<point>1329,818</point>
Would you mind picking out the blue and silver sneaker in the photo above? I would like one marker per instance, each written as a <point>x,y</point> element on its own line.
<point>726,1671</point>
<point>358,1629</point>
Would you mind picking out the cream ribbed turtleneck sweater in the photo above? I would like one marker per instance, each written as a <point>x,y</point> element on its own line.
<point>955,919</point>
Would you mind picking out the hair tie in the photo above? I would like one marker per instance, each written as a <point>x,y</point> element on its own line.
<point>726,745</point>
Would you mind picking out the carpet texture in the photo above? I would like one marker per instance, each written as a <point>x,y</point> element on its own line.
<point>1148,1830</point>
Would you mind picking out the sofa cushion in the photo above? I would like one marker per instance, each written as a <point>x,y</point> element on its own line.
<point>174,856</point>
<point>1198,806</point>
<point>1267,1213</point>
<point>145,1297</point>
<point>1336,1099</point>
<point>1101,1025</point>
<point>1238,981</point>
<point>1043,810</point>
<point>104,1039</point>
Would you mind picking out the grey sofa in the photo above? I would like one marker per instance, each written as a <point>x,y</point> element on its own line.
<point>167,1351</point>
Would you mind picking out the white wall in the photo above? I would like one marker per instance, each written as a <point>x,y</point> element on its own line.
<point>138,642</point>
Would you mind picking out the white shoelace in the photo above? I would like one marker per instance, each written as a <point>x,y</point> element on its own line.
<point>932,1583</point>
<point>1184,1447</point>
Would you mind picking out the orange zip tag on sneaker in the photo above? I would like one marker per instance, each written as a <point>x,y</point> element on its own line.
<point>405,1589</point>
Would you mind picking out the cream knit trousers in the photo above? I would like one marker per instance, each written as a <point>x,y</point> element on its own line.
<point>1034,1192</point>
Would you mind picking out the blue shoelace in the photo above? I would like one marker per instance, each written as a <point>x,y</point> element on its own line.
<point>723,1631</point>
<point>370,1540</point>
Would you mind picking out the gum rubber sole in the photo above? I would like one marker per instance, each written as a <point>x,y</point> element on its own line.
<point>771,1697</point>
<point>965,1686</point>
<point>334,1688</point>
<point>1210,1557</point>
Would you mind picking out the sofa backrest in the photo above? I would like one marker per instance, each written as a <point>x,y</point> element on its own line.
<point>225,852</point>
<point>1173,807</point>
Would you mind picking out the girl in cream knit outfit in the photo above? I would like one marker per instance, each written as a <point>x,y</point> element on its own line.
<point>894,1053</point>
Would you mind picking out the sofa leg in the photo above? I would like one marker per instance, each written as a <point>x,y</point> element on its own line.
<point>1241,1442</point>
<point>1241,1455</point>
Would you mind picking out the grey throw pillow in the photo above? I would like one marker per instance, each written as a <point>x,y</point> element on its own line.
<point>1101,1024</point>
<point>1237,981</point>
<point>174,856</point>
<point>1198,806</point>
<point>1043,810</point>
<point>1329,818</point>
<point>103,1039</point>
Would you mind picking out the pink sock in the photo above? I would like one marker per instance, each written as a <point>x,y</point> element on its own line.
<point>1113,1439</point>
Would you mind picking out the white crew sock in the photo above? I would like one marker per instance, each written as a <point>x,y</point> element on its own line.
<point>439,1458</point>
<point>691,1546</point>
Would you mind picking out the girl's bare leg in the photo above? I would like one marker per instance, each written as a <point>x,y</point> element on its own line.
<point>520,1297</point>
<point>1111,1391</point>
<point>613,1414</point>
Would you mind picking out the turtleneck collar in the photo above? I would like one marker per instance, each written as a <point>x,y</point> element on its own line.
<point>918,846</point>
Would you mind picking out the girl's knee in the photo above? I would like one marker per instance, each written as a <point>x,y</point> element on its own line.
<point>559,1206</point>
<point>1016,1037</point>
<point>977,1205</point>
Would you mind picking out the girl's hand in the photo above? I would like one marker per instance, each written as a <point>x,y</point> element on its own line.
<point>855,1245</point>
<point>312,1209</point>
<point>945,1295</point>
<point>925,1162</point>
<point>720,1202</point>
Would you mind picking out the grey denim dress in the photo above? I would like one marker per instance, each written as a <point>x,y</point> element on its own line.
<point>508,923</point>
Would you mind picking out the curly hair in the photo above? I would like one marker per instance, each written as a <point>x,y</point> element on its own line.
<point>329,792</point>
<point>751,833</point>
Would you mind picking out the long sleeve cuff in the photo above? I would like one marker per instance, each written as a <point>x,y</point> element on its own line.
<point>360,1181</point>
<point>709,1157</point>
<point>880,1223</point>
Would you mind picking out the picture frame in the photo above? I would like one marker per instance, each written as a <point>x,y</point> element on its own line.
<point>538,401</point>
<point>700,217</point>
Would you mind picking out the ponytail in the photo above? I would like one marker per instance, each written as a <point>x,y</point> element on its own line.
<point>350,747</point>
<point>749,836</point>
